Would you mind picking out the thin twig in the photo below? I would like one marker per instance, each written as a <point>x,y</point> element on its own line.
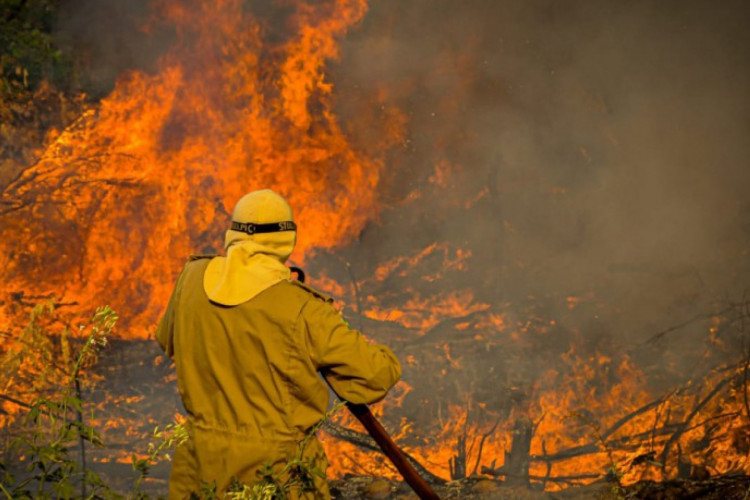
<point>481,445</point>
<point>357,299</point>
<point>82,441</point>
<point>559,479</point>
<point>15,401</point>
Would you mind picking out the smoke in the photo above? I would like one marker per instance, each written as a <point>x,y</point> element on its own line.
<point>108,38</point>
<point>608,138</point>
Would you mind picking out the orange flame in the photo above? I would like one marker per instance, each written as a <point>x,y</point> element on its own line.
<point>120,199</point>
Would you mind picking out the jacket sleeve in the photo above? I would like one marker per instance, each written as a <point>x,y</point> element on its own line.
<point>358,371</point>
<point>165,330</point>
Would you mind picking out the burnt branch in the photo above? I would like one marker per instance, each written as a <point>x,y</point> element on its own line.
<point>444,332</point>
<point>500,471</point>
<point>684,425</point>
<point>481,445</point>
<point>355,286</point>
<point>742,309</point>
<point>15,401</point>
<point>367,443</point>
<point>593,446</point>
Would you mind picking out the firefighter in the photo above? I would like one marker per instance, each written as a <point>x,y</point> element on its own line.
<point>249,344</point>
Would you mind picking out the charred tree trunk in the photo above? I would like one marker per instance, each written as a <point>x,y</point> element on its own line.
<point>517,460</point>
<point>457,463</point>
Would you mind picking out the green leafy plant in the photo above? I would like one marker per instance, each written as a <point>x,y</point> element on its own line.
<point>29,53</point>
<point>54,424</point>
<point>166,440</point>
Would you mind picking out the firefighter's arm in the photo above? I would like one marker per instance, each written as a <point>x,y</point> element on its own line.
<point>358,371</point>
<point>165,330</point>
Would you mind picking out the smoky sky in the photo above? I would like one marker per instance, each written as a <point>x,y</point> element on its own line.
<point>106,38</point>
<point>611,138</point>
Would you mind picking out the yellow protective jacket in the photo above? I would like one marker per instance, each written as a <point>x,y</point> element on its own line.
<point>249,381</point>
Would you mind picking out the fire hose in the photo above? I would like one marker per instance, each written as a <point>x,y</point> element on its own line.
<point>362,413</point>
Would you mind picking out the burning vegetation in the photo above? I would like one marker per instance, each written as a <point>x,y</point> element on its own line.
<point>544,215</point>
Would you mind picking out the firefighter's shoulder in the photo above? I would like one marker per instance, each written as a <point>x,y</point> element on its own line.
<point>317,294</point>
<point>202,256</point>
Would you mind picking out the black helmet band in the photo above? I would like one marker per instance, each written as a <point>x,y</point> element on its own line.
<point>273,227</point>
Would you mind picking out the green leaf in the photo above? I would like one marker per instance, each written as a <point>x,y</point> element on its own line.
<point>73,402</point>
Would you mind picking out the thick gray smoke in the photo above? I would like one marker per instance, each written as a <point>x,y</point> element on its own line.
<point>611,139</point>
<point>106,38</point>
